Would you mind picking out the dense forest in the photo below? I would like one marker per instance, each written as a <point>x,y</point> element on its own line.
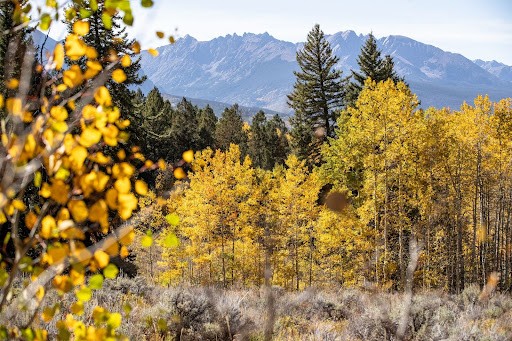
<point>118,206</point>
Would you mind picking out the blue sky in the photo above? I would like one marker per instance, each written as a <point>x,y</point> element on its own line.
<point>476,29</point>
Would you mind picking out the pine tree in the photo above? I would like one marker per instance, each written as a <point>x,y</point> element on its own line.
<point>372,66</point>
<point>184,129</point>
<point>268,144</point>
<point>207,122</point>
<point>230,130</point>
<point>107,42</point>
<point>317,95</point>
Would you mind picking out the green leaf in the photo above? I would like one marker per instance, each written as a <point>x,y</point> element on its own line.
<point>94,5</point>
<point>107,20</point>
<point>146,3</point>
<point>127,308</point>
<point>110,271</point>
<point>84,294</point>
<point>128,18</point>
<point>85,13</point>
<point>28,334</point>
<point>172,219</point>
<point>3,277</point>
<point>171,240</point>
<point>96,281</point>
<point>45,22</point>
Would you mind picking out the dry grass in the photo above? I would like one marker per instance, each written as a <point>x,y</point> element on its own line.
<point>200,313</point>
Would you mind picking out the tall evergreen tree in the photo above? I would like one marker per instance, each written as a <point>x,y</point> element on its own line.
<point>317,95</point>
<point>230,129</point>
<point>184,129</point>
<point>371,65</point>
<point>268,144</point>
<point>110,41</point>
<point>207,122</point>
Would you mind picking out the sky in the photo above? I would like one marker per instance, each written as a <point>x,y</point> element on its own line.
<point>475,28</point>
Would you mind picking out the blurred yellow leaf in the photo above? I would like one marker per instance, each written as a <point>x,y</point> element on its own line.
<point>58,56</point>
<point>153,52</point>
<point>188,156</point>
<point>118,76</point>
<point>90,137</point>
<point>78,210</point>
<point>59,113</point>
<point>102,96</point>
<point>141,187</point>
<point>81,27</point>
<point>102,258</point>
<point>126,61</point>
<point>75,47</point>
<point>179,173</point>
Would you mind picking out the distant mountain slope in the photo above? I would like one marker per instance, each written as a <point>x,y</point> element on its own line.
<point>257,70</point>
<point>500,70</point>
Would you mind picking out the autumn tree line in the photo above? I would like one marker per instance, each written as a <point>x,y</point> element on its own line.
<point>440,176</point>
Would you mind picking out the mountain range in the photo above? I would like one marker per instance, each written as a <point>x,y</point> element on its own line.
<point>256,70</point>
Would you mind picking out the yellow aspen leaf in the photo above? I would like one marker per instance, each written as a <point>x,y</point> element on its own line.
<point>48,227</point>
<point>146,241</point>
<point>14,106</point>
<point>90,137</point>
<point>153,52</point>
<point>30,220</point>
<point>179,173</point>
<point>136,47</point>
<point>60,127</point>
<point>126,61</point>
<point>126,235</point>
<point>48,314</point>
<point>110,271</point>
<point>57,253</point>
<point>75,47</point>
<point>111,198</point>
<point>123,124</point>
<point>101,181</point>
<point>118,76</point>
<point>84,294</point>
<point>81,27</point>
<point>3,218</point>
<point>60,192</point>
<point>30,145</point>
<point>62,174</point>
<point>93,68</point>
<point>58,56</point>
<point>159,34</point>
<point>141,187</point>
<point>91,52</point>
<point>121,154</point>
<point>77,277</point>
<point>62,283</point>
<point>188,156</point>
<point>12,84</point>
<point>123,185</point>
<point>98,211</point>
<point>77,308</point>
<point>40,293</point>
<point>110,134</point>
<point>18,204</point>
<point>59,113</point>
<point>89,112</point>
<point>113,115</point>
<point>123,253</point>
<point>78,210</point>
<point>45,191</point>
<point>77,157</point>
<point>102,96</point>
<point>63,214</point>
<point>122,169</point>
<point>72,233</point>
<point>101,258</point>
<point>100,158</point>
<point>62,87</point>
<point>73,76</point>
